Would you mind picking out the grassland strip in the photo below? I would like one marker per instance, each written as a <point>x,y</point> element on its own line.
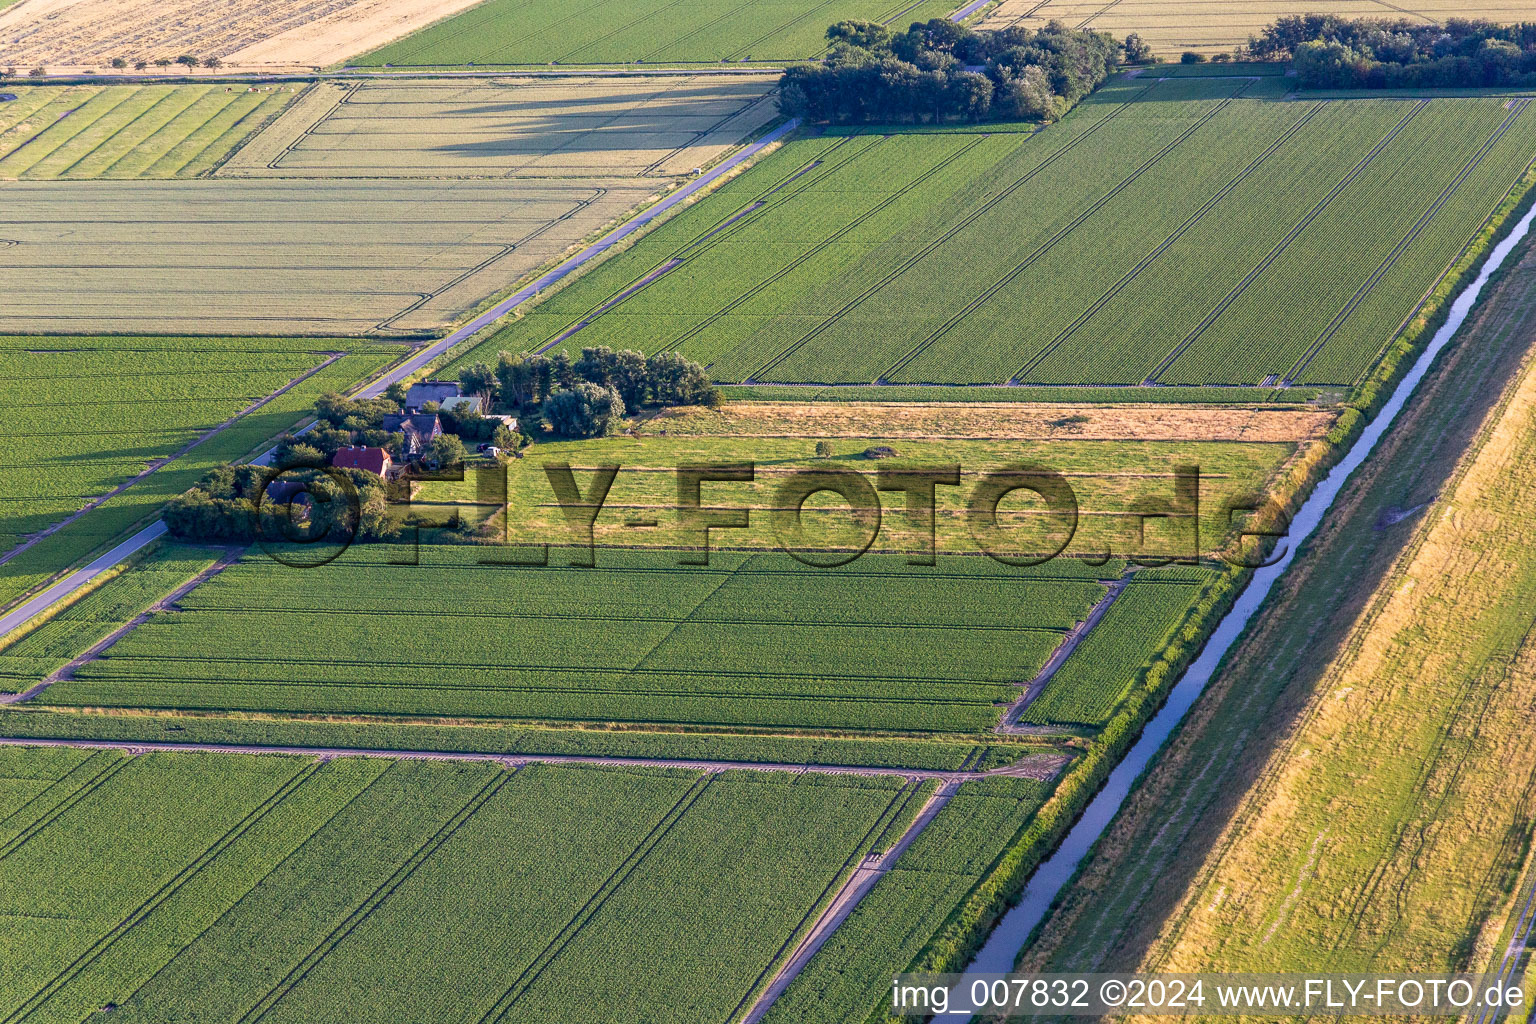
<point>609,886</point>
<point>1143,872</point>
<point>164,892</point>
<point>1295,232</point>
<point>378,896</point>
<point>916,257</point>
<point>1146,261</point>
<point>1402,246</point>
<point>1013,273</point>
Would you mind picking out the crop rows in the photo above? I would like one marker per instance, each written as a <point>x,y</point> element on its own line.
<point>512,32</point>
<point>1087,689</point>
<point>149,131</point>
<point>280,890</point>
<point>145,399</point>
<point>888,647</point>
<point>1157,220</point>
<point>851,974</point>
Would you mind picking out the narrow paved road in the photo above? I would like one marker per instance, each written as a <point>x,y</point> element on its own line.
<point>41,602</point>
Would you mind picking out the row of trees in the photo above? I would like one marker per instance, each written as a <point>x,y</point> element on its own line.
<point>588,396</point>
<point>939,71</point>
<point>1328,52</point>
<point>230,505</point>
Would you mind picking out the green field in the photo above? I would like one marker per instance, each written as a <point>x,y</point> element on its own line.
<point>130,131</point>
<point>519,32</point>
<point>1163,231</point>
<point>86,414</point>
<point>888,931</point>
<point>758,640</point>
<point>209,887</point>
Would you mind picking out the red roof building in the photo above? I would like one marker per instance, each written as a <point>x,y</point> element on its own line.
<point>374,460</point>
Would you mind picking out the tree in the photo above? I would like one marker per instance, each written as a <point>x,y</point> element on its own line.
<point>823,449</point>
<point>119,62</point>
<point>140,64</point>
<point>7,73</point>
<point>38,72</point>
<point>1137,50</point>
<point>187,59</point>
<point>479,379</point>
<point>212,62</point>
<point>584,410</point>
<point>447,450</point>
<point>676,380</point>
<point>163,62</point>
<point>1191,57</point>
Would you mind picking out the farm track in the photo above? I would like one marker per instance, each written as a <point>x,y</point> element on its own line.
<point>1285,243</point>
<point>1179,232</point>
<point>946,236</point>
<point>1402,246</point>
<point>69,584</point>
<point>1050,243</point>
<point>159,464</point>
<point>1074,638</point>
<point>849,896</point>
<point>1042,767</point>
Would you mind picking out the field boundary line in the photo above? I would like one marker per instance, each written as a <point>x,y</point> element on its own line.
<point>1069,643</point>
<point>1179,232</point>
<point>1337,323</point>
<point>1046,246</point>
<point>382,892</point>
<point>511,759</point>
<point>866,875</point>
<point>189,871</point>
<point>45,599</point>
<point>584,914</point>
<point>95,651</point>
<point>159,464</point>
<point>1285,243</point>
<point>911,261</point>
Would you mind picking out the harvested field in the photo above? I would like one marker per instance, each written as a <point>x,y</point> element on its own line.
<point>258,35</point>
<point>351,254</point>
<point>1353,791</point>
<point>185,885</point>
<point>1215,26</point>
<point>510,127</point>
<point>578,32</point>
<point>1177,232</point>
<point>981,421</point>
<point>130,131</point>
<point>84,415</point>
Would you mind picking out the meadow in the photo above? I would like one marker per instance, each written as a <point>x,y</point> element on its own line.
<point>130,131</point>
<point>86,414</point>
<point>558,32</point>
<point>1161,233</point>
<point>205,886</point>
<point>1213,26</point>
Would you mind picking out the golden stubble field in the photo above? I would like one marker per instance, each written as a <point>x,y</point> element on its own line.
<point>68,36</point>
<point>1216,26</point>
<point>384,207</point>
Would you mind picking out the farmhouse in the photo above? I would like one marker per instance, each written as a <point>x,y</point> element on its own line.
<point>420,430</point>
<point>440,391</point>
<point>373,460</point>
